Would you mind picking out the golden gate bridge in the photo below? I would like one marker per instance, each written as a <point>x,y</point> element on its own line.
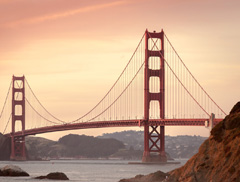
<point>155,89</point>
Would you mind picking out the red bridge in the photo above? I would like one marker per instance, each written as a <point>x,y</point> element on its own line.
<point>154,90</point>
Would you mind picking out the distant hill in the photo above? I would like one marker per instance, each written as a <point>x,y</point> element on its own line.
<point>81,145</point>
<point>183,146</point>
<point>38,148</point>
<point>71,146</point>
<point>126,145</point>
<point>5,147</point>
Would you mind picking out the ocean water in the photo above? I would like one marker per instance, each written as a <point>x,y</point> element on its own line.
<point>86,170</point>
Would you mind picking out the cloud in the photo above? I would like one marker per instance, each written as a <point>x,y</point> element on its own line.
<point>72,12</point>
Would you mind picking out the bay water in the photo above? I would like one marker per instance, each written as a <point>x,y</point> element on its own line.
<point>86,170</point>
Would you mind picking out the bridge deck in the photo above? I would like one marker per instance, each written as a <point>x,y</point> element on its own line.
<point>117,123</point>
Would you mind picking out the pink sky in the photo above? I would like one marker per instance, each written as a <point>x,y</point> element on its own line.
<point>69,48</point>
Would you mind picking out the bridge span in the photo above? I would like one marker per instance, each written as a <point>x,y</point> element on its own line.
<point>118,123</point>
<point>154,90</point>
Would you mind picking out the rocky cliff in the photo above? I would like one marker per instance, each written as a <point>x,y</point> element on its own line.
<point>218,158</point>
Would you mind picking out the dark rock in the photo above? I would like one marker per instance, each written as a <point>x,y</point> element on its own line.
<point>139,176</point>
<point>153,177</point>
<point>54,176</point>
<point>11,170</point>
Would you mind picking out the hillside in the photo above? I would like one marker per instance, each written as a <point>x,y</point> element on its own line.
<point>38,148</point>
<point>81,145</point>
<point>71,146</point>
<point>5,147</point>
<point>218,158</point>
<point>183,146</point>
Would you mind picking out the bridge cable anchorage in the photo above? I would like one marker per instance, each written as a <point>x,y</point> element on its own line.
<point>112,86</point>
<point>193,76</point>
<point>180,80</point>
<point>42,105</point>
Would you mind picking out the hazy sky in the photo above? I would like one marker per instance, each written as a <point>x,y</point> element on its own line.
<point>68,49</point>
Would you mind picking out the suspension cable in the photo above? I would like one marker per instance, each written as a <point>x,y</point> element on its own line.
<point>39,113</point>
<point>34,108</point>
<point>119,95</point>
<point>41,103</point>
<point>180,80</point>
<point>193,76</point>
<point>6,99</point>
<point>112,86</point>
<point>124,89</point>
<point>7,123</point>
<point>19,86</point>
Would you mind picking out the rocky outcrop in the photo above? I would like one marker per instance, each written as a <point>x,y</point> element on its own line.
<point>5,147</point>
<point>54,176</point>
<point>11,170</point>
<point>153,177</point>
<point>218,159</point>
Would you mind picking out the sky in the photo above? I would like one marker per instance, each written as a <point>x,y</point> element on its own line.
<point>68,49</point>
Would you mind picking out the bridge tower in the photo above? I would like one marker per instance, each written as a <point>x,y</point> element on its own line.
<point>18,115</point>
<point>154,137</point>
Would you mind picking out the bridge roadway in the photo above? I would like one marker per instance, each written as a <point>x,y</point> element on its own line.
<point>117,123</point>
